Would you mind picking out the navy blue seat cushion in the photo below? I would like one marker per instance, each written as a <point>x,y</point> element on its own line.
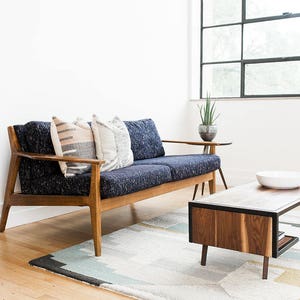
<point>145,140</point>
<point>113,183</point>
<point>185,166</point>
<point>132,179</point>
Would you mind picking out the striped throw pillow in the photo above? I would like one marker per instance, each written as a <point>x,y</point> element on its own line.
<point>72,139</point>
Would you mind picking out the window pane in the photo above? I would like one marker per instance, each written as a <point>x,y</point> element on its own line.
<point>272,78</point>
<point>272,39</point>
<point>222,80</point>
<point>222,43</point>
<point>268,8</point>
<point>217,12</point>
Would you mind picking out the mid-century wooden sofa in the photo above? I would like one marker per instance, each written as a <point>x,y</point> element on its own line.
<point>152,174</point>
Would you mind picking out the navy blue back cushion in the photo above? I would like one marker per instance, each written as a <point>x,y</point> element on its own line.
<point>35,137</point>
<point>145,140</point>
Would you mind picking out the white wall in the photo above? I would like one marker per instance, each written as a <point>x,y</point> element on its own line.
<point>76,57</point>
<point>265,136</point>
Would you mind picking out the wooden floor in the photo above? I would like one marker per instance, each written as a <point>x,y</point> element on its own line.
<point>18,245</point>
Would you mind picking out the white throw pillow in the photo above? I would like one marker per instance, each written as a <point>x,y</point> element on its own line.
<point>112,142</point>
<point>72,139</point>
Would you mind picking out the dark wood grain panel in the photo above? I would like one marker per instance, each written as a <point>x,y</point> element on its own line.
<point>231,230</point>
<point>259,234</point>
<point>203,226</point>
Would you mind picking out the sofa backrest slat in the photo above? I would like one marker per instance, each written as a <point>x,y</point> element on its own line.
<point>13,140</point>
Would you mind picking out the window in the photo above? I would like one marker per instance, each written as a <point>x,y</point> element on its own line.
<point>250,48</point>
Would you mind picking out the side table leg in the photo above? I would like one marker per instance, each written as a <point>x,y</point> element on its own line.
<point>204,255</point>
<point>202,191</point>
<point>223,178</point>
<point>195,191</point>
<point>205,149</point>
<point>265,267</point>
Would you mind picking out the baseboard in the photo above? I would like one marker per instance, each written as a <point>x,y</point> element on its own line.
<point>20,215</point>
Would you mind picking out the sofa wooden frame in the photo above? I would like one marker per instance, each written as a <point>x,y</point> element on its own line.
<point>93,200</point>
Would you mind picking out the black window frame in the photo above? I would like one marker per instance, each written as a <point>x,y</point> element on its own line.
<point>243,62</point>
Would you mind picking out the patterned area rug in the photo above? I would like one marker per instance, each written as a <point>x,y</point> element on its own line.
<point>154,260</point>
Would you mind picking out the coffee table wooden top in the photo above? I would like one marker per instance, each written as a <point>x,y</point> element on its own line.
<point>253,196</point>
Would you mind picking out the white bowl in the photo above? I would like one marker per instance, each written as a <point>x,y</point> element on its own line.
<point>279,179</point>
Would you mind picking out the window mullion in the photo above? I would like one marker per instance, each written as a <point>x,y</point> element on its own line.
<point>201,49</point>
<point>222,25</point>
<point>271,18</point>
<point>270,60</point>
<point>242,87</point>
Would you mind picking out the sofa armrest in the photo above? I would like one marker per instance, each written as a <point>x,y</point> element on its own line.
<point>51,157</point>
<point>95,176</point>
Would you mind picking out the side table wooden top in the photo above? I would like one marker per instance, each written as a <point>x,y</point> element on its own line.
<point>199,143</point>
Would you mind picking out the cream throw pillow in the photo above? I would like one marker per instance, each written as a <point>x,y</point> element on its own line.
<point>112,142</point>
<point>72,139</point>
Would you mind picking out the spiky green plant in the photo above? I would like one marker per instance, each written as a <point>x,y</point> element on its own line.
<point>208,111</point>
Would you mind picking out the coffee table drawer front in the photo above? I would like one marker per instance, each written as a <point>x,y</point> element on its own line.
<point>231,230</point>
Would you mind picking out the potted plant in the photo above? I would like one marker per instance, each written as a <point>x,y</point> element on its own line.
<point>207,128</point>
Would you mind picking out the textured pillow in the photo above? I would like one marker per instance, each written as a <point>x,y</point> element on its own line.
<point>72,139</point>
<point>145,140</point>
<point>112,143</point>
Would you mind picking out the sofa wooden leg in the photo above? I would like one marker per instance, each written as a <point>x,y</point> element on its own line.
<point>133,213</point>
<point>95,209</point>
<point>96,228</point>
<point>212,184</point>
<point>4,216</point>
<point>10,185</point>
